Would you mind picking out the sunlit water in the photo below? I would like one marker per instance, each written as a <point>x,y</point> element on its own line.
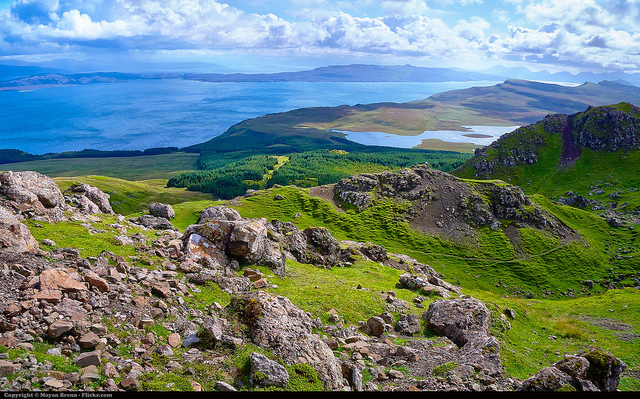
<point>392,140</point>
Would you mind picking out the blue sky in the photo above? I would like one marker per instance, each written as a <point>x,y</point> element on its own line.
<point>270,35</point>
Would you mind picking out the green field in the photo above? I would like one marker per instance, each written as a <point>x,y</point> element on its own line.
<point>148,167</point>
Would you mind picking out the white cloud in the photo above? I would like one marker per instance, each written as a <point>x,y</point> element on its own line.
<point>576,32</point>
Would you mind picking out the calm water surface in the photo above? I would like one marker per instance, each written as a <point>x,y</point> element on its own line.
<point>163,113</point>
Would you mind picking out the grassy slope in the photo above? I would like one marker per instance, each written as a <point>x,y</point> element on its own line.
<point>526,347</point>
<point>128,197</point>
<point>615,173</point>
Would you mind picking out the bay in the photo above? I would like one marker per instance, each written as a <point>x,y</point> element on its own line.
<point>143,114</point>
<point>479,135</point>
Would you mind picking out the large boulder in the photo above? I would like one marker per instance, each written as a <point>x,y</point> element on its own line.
<point>592,371</point>
<point>466,322</point>
<point>162,210</point>
<point>274,323</point>
<point>460,320</point>
<point>79,193</point>
<point>33,194</point>
<point>14,235</point>
<point>153,222</point>
<point>245,240</point>
<point>219,212</point>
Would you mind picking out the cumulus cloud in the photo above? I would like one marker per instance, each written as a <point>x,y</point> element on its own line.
<point>577,32</point>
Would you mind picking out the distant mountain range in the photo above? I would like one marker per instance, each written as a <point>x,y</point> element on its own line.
<point>19,77</point>
<point>546,76</point>
<point>354,73</point>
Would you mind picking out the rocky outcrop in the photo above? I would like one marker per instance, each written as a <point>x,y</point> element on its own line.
<point>162,210</point>
<point>590,371</point>
<point>607,128</point>
<point>603,128</point>
<point>88,199</point>
<point>15,235</point>
<point>444,204</point>
<point>245,240</point>
<point>33,194</point>
<point>275,323</point>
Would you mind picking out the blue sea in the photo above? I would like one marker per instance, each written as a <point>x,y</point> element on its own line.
<point>143,114</point>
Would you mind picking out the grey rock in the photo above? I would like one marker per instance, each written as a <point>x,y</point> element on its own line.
<point>286,330</point>
<point>14,235</point>
<point>153,222</point>
<point>219,212</point>
<point>162,210</point>
<point>34,193</point>
<point>88,359</point>
<point>265,372</point>
<point>93,194</point>
<point>458,319</point>
<point>224,387</point>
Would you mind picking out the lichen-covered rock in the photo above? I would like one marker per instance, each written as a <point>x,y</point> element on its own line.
<point>548,379</point>
<point>266,373</point>
<point>33,194</point>
<point>79,193</point>
<point>219,212</point>
<point>274,323</point>
<point>604,369</point>
<point>162,210</point>
<point>460,320</point>
<point>591,371</point>
<point>14,235</point>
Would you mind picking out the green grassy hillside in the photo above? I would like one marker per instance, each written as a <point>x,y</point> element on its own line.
<point>590,153</point>
<point>502,269</point>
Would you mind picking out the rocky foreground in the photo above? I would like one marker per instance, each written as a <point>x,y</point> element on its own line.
<point>73,303</point>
